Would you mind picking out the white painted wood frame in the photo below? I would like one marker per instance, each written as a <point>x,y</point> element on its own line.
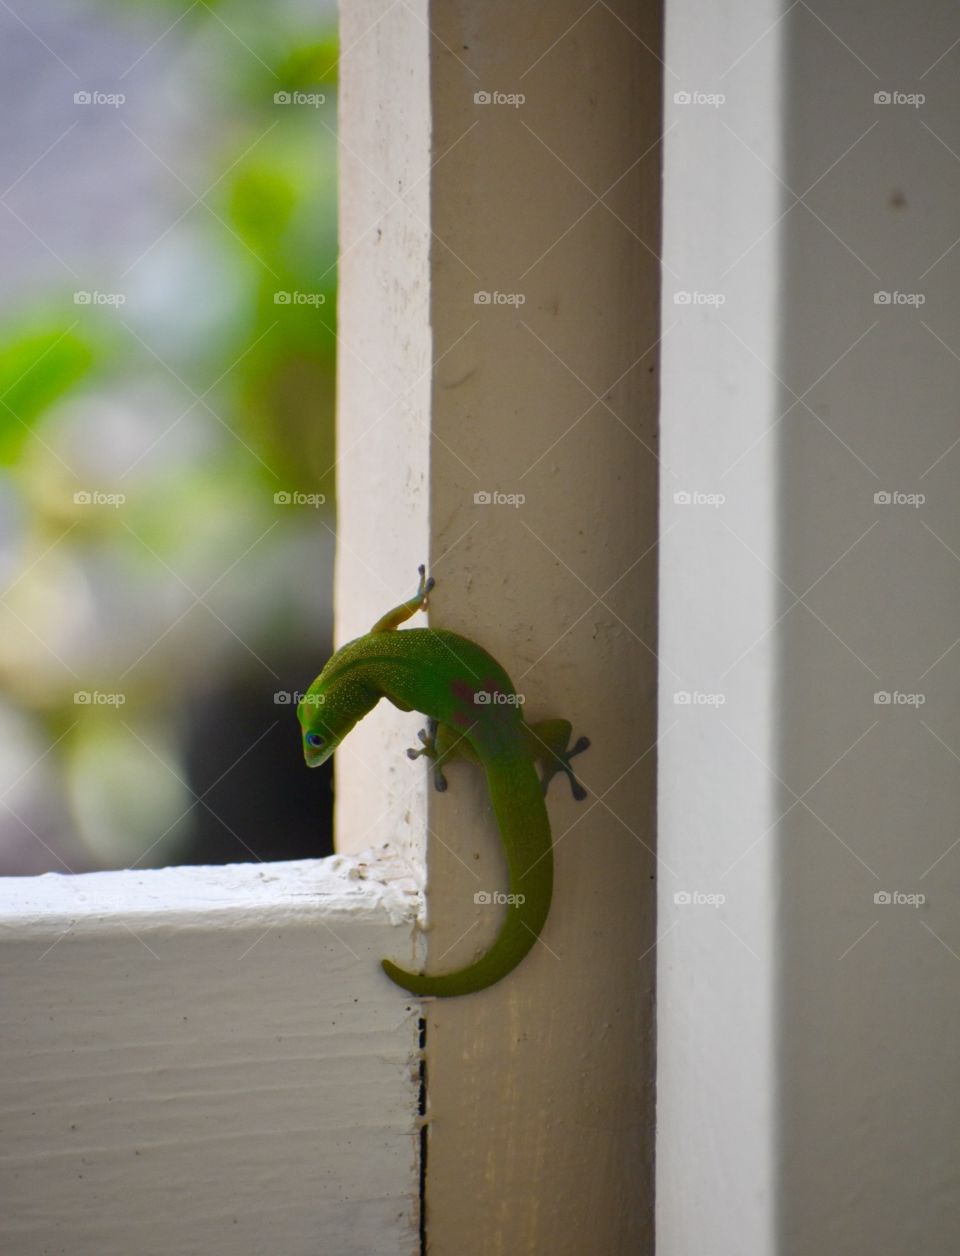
<point>500,175</point>
<point>207,1060</point>
<point>808,1094</point>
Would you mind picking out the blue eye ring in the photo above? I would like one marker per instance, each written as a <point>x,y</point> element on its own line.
<point>314,740</point>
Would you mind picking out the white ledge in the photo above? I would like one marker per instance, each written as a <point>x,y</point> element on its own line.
<point>374,884</point>
<point>209,1059</point>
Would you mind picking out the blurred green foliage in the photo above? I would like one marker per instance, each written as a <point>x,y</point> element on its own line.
<point>194,405</point>
<point>37,367</point>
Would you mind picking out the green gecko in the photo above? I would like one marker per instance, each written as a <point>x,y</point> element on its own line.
<point>473,713</point>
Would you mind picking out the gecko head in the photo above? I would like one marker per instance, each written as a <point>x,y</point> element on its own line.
<point>322,724</point>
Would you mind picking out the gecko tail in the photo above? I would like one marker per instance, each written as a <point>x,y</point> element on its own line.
<point>525,833</point>
<point>513,943</point>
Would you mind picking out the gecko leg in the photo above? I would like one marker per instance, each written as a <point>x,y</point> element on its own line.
<point>428,749</point>
<point>400,614</point>
<point>442,744</point>
<point>550,738</point>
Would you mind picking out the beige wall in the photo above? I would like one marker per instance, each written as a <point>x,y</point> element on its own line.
<point>542,1088</point>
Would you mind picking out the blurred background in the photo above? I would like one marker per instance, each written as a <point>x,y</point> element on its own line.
<point>167,342</point>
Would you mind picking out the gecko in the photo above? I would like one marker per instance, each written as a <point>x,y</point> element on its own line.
<point>473,713</point>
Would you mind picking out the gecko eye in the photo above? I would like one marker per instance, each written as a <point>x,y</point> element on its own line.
<point>314,740</point>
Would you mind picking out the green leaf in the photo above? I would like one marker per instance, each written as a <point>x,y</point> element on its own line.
<point>261,203</point>
<point>311,64</point>
<point>36,369</point>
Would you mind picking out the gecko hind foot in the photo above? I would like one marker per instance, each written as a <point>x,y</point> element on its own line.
<point>578,791</point>
<point>559,760</point>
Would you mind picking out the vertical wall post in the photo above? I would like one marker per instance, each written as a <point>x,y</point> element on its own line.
<point>542,157</point>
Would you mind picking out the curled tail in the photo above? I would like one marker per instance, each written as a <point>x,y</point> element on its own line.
<point>525,832</point>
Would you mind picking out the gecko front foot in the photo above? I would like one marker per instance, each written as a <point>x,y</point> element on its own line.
<point>425,585</point>
<point>428,749</point>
